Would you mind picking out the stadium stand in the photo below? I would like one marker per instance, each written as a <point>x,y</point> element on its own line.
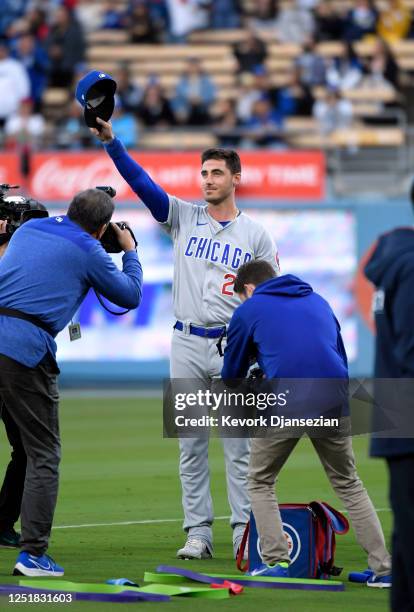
<point>378,94</point>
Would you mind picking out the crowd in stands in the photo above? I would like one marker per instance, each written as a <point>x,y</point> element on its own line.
<point>43,44</point>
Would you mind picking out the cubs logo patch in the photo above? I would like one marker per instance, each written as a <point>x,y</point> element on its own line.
<point>293,540</point>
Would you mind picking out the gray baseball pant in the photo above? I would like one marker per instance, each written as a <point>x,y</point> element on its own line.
<point>193,357</point>
<point>268,455</point>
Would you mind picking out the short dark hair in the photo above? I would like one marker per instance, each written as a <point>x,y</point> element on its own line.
<point>230,156</point>
<point>253,272</point>
<point>91,209</point>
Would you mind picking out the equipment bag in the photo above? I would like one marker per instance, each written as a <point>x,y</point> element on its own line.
<point>310,531</point>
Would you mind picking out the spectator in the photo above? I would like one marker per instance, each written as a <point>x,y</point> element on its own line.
<point>17,28</point>
<point>265,123</point>
<point>345,72</point>
<point>394,22</point>
<point>383,68</point>
<point>295,98</point>
<point>10,11</point>
<point>226,123</point>
<point>329,23</point>
<point>251,88</point>
<point>125,125</point>
<point>187,16</point>
<point>194,94</point>
<point>25,128</point>
<point>14,83</point>
<point>141,27</point>
<point>308,4</point>
<point>361,20</point>
<point>72,132</point>
<point>333,112</point>
<point>37,23</point>
<point>225,14</point>
<point>264,15</point>
<point>250,52</point>
<point>113,17</point>
<point>128,93</point>
<point>159,13</point>
<point>294,24</point>
<point>154,109</point>
<point>311,65</point>
<point>89,15</point>
<point>66,47</point>
<point>34,58</point>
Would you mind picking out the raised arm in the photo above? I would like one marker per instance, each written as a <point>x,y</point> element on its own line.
<point>153,196</point>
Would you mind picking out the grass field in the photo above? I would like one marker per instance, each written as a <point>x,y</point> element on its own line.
<point>117,468</point>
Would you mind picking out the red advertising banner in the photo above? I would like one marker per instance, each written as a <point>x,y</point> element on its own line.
<point>9,169</point>
<point>265,174</point>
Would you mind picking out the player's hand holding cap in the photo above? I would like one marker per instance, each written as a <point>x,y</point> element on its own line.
<point>95,92</point>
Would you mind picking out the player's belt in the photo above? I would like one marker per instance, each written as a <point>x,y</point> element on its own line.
<point>203,332</point>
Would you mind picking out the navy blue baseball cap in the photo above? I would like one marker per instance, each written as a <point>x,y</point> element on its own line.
<point>95,92</point>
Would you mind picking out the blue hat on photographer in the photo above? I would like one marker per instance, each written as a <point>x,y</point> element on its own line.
<point>95,92</point>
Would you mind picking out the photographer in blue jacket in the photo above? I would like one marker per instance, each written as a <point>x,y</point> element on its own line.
<point>293,333</point>
<point>47,270</point>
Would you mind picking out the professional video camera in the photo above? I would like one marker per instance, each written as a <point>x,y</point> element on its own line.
<point>109,240</point>
<point>16,209</point>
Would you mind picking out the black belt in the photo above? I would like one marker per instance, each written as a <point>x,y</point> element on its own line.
<point>18,314</point>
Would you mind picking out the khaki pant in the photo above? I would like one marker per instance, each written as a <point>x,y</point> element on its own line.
<point>268,455</point>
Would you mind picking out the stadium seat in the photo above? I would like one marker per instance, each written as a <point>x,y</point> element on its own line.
<point>177,140</point>
<point>108,37</point>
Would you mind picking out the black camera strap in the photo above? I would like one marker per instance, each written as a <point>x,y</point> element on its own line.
<point>113,312</point>
<point>18,314</point>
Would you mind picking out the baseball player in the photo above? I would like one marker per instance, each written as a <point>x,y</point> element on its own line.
<point>210,243</point>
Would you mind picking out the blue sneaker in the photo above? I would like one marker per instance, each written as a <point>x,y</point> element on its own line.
<point>360,577</point>
<point>30,565</point>
<point>379,582</point>
<point>279,570</point>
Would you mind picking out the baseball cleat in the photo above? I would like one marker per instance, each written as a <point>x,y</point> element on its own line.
<point>278,570</point>
<point>30,565</point>
<point>379,582</point>
<point>238,533</point>
<point>195,548</point>
<point>236,547</point>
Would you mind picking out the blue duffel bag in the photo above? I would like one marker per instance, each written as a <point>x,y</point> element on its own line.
<point>310,530</point>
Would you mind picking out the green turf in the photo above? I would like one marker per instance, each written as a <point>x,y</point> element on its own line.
<point>117,467</point>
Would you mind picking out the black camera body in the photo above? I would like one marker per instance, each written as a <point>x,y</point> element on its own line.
<point>109,240</point>
<point>16,210</point>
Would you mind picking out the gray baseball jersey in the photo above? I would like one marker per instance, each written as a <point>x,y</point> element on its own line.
<point>206,259</point>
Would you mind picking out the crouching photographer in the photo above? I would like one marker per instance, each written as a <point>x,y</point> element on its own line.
<point>14,211</point>
<point>45,273</point>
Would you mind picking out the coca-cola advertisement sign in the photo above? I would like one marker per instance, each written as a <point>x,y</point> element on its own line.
<point>58,177</point>
<point>9,170</point>
<point>274,175</point>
